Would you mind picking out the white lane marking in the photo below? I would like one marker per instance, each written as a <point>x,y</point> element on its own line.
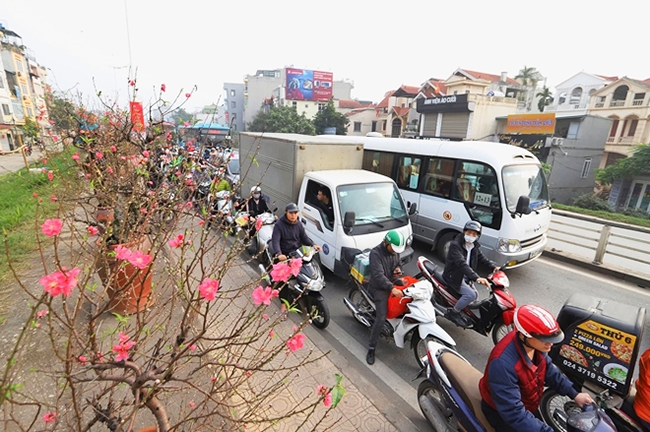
<point>383,372</point>
<point>599,277</point>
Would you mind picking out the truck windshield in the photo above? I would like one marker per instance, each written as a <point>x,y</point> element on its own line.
<point>374,203</point>
<point>233,165</point>
<point>525,180</point>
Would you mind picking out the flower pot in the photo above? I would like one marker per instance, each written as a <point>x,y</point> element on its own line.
<point>148,429</point>
<point>105,215</point>
<point>128,287</point>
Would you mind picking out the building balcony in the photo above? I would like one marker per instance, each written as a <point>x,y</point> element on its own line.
<point>494,99</point>
<point>616,103</point>
<point>599,105</point>
<point>623,140</point>
<point>637,102</point>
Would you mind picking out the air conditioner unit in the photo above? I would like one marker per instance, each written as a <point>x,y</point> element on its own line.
<point>557,142</point>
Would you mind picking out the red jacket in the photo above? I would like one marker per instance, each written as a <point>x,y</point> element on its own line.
<point>513,384</point>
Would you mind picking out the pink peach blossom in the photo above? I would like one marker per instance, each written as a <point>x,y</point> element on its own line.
<point>53,198</point>
<point>265,316</point>
<point>82,359</point>
<point>145,153</point>
<point>41,313</point>
<point>50,175</point>
<point>271,334</point>
<point>208,289</point>
<point>93,231</point>
<point>113,149</point>
<point>87,176</point>
<point>193,347</point>
<point>35,195</point>
<point>49,417</point>
<point>187,95</point>
<point>52,227</point>
<point>201,223</point>
<point>296,342</point>
<point>328,399</point>
<point>281,272</point>
<point>140,260</point>
<point>60,282</point>
<point>177,241</point>
<point>99,155</point>
<point>75,156</point>
<point>122,253</point>
<point>264,295</point>
<point>296,264</point>
<point>258,224</point>
<point>109,170</point>
<point>163,87</point>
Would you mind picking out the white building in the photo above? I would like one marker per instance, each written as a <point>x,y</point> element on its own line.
<point>572,95</point>
<point>6,113</point>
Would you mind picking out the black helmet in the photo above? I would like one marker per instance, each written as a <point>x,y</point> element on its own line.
<point>474,226</point>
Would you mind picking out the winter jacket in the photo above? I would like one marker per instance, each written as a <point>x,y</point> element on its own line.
<point>382,265</point>
<point>288,237</point>
<point>456,267</point>
<point>513,384</point>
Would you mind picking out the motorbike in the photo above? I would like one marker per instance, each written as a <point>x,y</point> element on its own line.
<point>305,289</point>
<point>598,355</point>
<point>221,210</point>
<point>259,243</point>
<point>450,400</point>
<point>493,314</point>
<point>410,317</point>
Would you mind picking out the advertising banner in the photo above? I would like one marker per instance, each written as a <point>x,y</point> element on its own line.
<point>601,354</point>
<point>137,116</point>
<point>451,103</point>
<point>540,123</point>
<point>536,144</point>
<point>303,84</point>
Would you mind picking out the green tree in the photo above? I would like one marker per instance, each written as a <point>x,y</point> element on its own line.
<point>60,110</point>
<point>328,117</point>
<point>180,116</point>
<point>545,98</point>
<point>636,165</point>
<point>283,119</point>
<point>528,78</point>
<point>30,128</point>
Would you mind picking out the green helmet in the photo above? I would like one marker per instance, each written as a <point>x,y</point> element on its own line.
<point>396,240</point>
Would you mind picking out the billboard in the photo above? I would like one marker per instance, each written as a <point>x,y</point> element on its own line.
<point>304,84</point>
<point>540,123</point>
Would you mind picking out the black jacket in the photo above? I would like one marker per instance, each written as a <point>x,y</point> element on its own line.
<point>456,267</point>
<point>257,208</point>
<point>288,237</point>
<point>382,265</point>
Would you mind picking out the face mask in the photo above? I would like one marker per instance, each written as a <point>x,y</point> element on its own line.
<point>256,196</point>
<point>470,239</point>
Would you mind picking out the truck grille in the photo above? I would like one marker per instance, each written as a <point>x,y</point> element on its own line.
<point>531,242</point>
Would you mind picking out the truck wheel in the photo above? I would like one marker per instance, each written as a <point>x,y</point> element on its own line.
<point>442,247</point>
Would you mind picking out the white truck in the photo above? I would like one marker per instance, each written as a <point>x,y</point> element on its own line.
<point>293,168</point>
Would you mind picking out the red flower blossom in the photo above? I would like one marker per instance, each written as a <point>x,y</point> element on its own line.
<point>187,95</point>
<point>60,282</point>
<point>209,288</point>
<point>52,227</point>
<point>177,241</point>
<point>49,417</point>
<point>163,87</point>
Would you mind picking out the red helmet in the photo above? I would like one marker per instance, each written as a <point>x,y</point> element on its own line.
<point>537,322</point>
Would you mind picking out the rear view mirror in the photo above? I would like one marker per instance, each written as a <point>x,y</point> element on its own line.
<point>413,209</point>
<point>523,205</point>
<point>348,221</point>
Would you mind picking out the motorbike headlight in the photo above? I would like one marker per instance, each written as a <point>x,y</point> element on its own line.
<point>409,240</point>
<point>509,245</point>
<point>315,285</point>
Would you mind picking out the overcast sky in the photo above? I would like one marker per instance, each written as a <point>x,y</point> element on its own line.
<point>378,45</point>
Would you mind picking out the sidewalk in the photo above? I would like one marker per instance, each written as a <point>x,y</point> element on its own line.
<point>355,412</point>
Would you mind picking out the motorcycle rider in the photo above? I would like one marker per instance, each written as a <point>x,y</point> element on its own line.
<point>255,206</point>
<point>384,269</point>
<point>460,268</point>
<point>519,368</point>
<point>288,236</point>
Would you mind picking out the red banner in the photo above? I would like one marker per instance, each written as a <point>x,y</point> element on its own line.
<point>137,116</point>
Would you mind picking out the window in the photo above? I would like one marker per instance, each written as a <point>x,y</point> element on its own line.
<point>233,104</point>
<point>439,177</point>
<point>320,197</point>
<point>633,126</point>
<point>573,130</point>
<point>620,93</point>
<point>306,105</point>
<point>294,104</point>
<point>233,93</point>
<point>585,168</point>
<point>23,87</point>
<point>30,113</point>
<point>373,128</point>
<point>612,132</point>
<point>383,125</point>
<point>357,126</point>
<point>5,109</point>
<point>477,185</point>
<point>455,92</point>
<point>576,96</point>
<point>378,162</point>
<point>640,196</point>
<point>466,91</point>
<point>408,172</point>
<point>321,106</point>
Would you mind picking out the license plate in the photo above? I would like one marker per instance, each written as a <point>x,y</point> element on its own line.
<point>536,253</point>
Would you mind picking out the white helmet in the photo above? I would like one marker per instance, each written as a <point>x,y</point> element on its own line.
<point>256,189</point>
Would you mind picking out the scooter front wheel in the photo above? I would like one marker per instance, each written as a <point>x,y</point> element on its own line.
<point>319,312</point>
<point>551,401</point>
<point>435,409</point>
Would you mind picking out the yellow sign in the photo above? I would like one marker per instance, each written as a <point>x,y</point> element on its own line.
<point>599,331</point>
<point>540,123</point>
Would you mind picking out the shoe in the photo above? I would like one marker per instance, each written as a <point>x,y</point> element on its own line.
<point>370,357</point>
<point>456,317</point>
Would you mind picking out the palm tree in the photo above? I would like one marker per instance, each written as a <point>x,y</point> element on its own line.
<point>545,98</point>
<point>527,78</point>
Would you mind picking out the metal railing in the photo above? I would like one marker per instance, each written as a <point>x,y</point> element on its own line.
<point>598,245</point>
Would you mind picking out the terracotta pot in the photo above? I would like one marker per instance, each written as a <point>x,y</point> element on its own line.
<point>128,287</point>
<point>105,215</point>
<point>148,429</point>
